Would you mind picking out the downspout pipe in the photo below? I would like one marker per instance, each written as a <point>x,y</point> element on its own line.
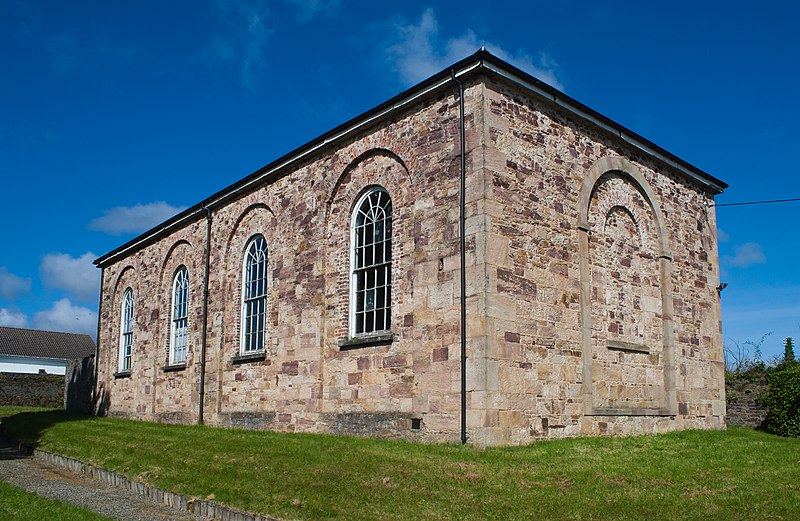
<point>203,334</point>
<point>463,257</point>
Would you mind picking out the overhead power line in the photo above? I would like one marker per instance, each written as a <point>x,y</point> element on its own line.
<point>758,202</point>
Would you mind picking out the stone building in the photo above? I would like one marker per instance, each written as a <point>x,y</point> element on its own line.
<point>323,293</point>
<point>46,369</point>
<point>32,351</point>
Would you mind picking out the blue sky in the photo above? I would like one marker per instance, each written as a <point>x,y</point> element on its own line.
<point>116,115</point>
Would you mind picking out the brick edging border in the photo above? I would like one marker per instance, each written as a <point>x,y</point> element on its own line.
<point>208,509</point>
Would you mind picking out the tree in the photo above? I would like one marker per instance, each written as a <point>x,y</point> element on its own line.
<point>788,351</point>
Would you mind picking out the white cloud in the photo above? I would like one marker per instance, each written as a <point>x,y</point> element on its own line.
<point>12,286</point>
<point>247,43</point>
<point>748,254</point>
<point>75,275</point>
<point>66,317</point>
<point>722,235</point>
<point>134,219</point>
<point>10,318</point>
<point>418,51</point>
<point>247,26</point>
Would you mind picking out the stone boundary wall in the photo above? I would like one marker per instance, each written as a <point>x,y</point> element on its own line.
<point>744,407</point>
<point>197,506</point>
<point>32,390</point>
<point>72,391</point>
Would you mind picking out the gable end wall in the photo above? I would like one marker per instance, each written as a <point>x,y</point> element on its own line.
<point>548,345</point>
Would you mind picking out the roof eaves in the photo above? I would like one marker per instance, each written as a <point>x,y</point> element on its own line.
<point>37,357</point>
<point>536,86</point>
<point>379,113</point>
<point>478,62</point>
<point>34,343</point>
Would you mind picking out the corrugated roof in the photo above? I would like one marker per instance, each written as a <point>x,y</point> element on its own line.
<point>44,344</point>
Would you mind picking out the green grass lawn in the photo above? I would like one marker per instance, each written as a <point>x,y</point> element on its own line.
<point>9,410</point>
<point>738,474</point>
<point>19,505</point>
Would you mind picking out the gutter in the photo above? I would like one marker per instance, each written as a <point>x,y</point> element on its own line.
<point>203,334</point>
<point>44,358</point>
<point>630,137</point>
<point>480,61</point>
<point>462,255</point>
<point>353,126</point>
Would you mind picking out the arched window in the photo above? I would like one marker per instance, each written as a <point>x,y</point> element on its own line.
<point>126,331</point>
<point>254,295</point>
<point>371,281</point>
<point>180,316</point>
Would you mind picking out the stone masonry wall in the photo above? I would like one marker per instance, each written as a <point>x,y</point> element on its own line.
<point>305,381</point>
<point>745,408</point>
<point>31,390</point>
<point>591,301</point>
<point>558,369</point>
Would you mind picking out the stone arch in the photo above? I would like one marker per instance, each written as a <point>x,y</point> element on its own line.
<point>352,165</point>
<point>374,168</point>
<point>630,213</point>
<point>615,195</point>
<point>624,169</point>
<point>180,254</point>
<point>127,278</point>
<point>246,214</point>
<point>256,219</point>
<point>383,139</point>
<point>122,274</point>
<point>170,253</point>
<point>614,201</point>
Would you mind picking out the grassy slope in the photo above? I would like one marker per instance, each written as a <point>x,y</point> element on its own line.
<point>738,474</point>
<point>19,505</point>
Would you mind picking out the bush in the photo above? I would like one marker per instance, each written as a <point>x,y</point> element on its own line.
<point>783,399</point>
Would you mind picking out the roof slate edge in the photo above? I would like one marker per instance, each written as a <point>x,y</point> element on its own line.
<point>555,96</point>
<point>41,357</point>
<point>37,331</point>
<point>41,344</point>
<point>480,62</point>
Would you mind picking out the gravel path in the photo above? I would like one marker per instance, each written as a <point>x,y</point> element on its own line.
<point>24,472</point>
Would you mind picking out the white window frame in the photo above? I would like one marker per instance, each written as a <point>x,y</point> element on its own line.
<point>179,320</point>
<point>126,325</point>
<point>249,337</point>
<point>385,265</point>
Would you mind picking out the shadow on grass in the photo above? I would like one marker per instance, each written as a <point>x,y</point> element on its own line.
<point>11,450</point>
<point>81,401</point>
<point>28,427</point>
